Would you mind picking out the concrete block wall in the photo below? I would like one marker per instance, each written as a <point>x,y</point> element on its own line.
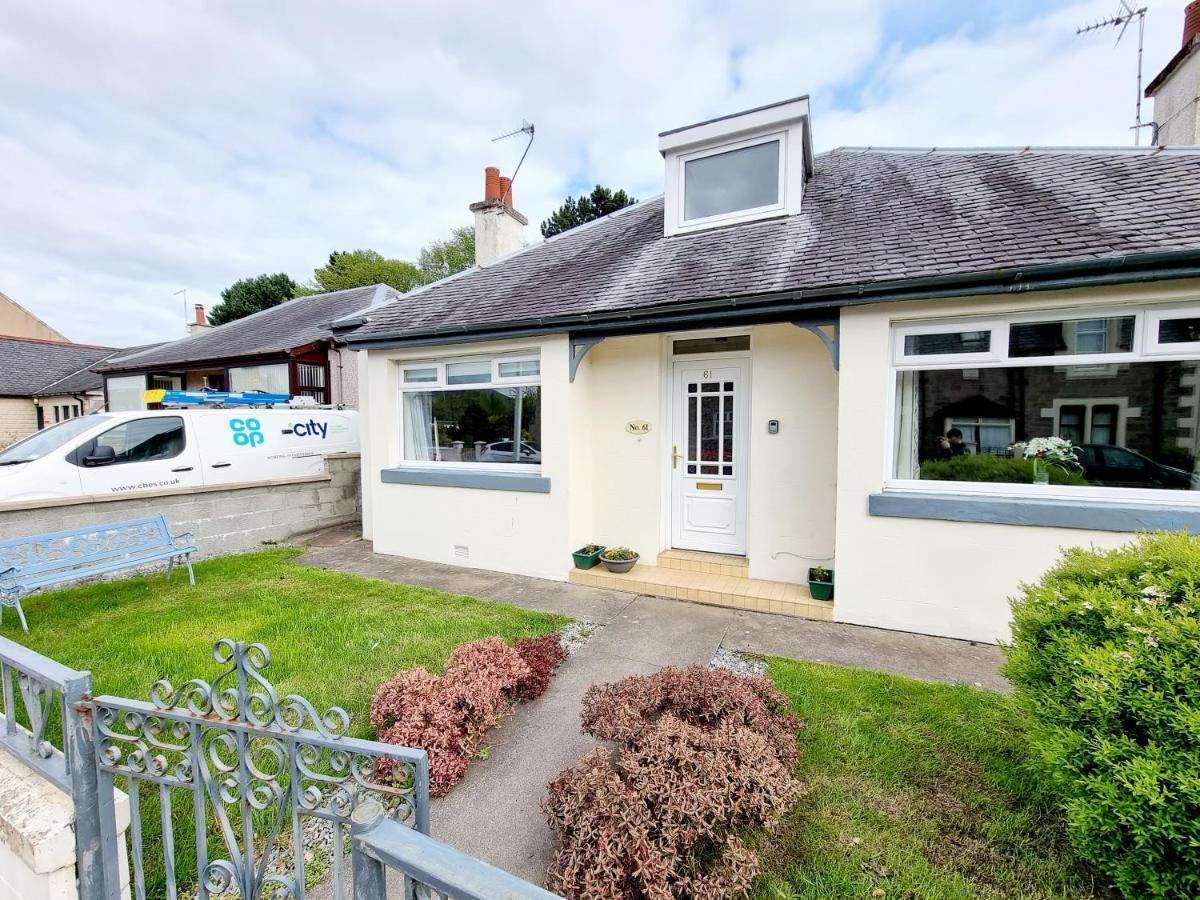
<point>229,519</point>
<point>18,419</point>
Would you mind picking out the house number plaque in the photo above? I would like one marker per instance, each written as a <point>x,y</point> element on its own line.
<point>638,426</point>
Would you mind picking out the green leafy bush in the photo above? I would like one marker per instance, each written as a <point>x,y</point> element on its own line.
<point>995,469</point>
<point>1106,653</point>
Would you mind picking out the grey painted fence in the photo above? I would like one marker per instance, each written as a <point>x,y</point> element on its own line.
<point>252,765</point>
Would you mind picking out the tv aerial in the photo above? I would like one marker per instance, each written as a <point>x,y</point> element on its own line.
<point>1120,20</point>
<point>526,128</point>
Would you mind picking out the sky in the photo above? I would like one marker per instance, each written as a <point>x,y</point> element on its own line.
<point>152,147</point>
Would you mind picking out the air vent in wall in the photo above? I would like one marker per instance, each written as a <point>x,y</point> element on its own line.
<point>461,552</point>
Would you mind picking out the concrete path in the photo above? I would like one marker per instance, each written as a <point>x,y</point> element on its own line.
<point>494,813</point>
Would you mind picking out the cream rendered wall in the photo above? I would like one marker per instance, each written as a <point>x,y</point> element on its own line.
<point>17,321</point>
<point>506,531</point>
<point>626,489</point>
<point>943,578</point>
<point>369,473</point>
<point>793,473</point>
<point>1176,104</point>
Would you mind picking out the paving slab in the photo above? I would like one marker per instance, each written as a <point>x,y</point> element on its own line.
<point>495,812</point>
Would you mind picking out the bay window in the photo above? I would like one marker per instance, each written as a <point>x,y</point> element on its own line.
<point>1120,389</point>
<point>472,413</point>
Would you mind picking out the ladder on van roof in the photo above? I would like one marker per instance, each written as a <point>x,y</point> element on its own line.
<point>221,399</point>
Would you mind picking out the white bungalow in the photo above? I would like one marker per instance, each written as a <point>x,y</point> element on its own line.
<point>791,360</point>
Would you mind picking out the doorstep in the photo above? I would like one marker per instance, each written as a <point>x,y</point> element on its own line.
<point>709,578</point>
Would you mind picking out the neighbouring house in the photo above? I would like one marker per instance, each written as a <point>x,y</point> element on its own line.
<point>46,381</point>
<point>17,321</point>
<point>1176,89</point>
<point>287,349</point>
<point>752,375</point>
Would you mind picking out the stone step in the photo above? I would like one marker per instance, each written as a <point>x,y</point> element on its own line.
<point>708,563</point>
<point>709,587</point>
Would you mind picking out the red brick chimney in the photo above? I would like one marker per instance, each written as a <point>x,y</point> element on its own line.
<point>491,184</point>
<point>506,188</point>
<point>201,322</point>
<point>1191,21</point>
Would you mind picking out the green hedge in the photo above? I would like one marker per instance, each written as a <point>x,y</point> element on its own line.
<point>982,467</point>
<point>1106,653</point>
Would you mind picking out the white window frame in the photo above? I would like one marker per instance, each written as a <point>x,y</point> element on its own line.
<point>777,208</point>
<point>441,386</point>
<point>1143,350</point>
<point>1150,343</point>
<point>999,339</point>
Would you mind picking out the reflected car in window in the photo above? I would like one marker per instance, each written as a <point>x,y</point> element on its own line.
<point>1110,466</point>
<point>502,452</point>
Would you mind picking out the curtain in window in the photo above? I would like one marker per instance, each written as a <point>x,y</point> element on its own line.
<point>908,415</point>
<point>418,427</point>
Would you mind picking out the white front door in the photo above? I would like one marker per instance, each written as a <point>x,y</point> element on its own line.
<point>710,454</point>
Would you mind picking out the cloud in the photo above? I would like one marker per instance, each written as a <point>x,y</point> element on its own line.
<point>151,147</point>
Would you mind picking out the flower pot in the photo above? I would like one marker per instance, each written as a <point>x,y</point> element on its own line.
<point>586,560</point>
<point>1041,471</point>
<point>820,590</point>
<point>619,565</point>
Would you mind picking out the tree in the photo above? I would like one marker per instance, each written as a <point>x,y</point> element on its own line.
<point>362,268</point>
<point>439,259</point>
<point>600,202</point>
<point>251,295</point>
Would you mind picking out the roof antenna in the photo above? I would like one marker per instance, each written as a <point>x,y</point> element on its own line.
<point>1121,19</point>
<point>526,128</point>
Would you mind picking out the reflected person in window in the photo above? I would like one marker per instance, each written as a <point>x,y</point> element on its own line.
<point>951,444</point>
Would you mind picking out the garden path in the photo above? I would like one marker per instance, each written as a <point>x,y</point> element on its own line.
<point>494,813</point>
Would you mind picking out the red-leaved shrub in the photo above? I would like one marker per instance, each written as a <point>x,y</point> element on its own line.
<point>700,754</point>
<point>449,717</point>
<point>542,655</point>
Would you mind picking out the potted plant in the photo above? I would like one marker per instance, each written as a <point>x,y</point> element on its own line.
<point>586,557</point>
<point>820,583</point>
<point>619,559</point>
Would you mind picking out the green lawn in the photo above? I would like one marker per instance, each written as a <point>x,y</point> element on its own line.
<point>919,790</point>
<point>334,638</point>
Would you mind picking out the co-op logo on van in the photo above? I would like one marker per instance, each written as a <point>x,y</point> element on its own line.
<point>247,432</point>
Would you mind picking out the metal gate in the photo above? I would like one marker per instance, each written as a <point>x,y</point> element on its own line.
<point>248,787</point>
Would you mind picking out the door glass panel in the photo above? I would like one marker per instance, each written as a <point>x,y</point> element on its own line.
<point>727,425</point>
<point>710,387</point>
<point>710,432</point>
<point>693,422</point>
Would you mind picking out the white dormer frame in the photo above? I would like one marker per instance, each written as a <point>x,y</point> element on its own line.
<point>786,122</point>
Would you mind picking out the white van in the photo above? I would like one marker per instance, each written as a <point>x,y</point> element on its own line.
<point>117,453</point>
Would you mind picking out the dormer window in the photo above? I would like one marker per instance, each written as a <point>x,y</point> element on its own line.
<point>738,168</point>
<point>746,177</point>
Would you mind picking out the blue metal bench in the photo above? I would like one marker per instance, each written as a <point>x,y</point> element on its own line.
<point>30,564</point>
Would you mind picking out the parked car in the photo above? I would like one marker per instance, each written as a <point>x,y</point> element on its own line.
<point>502,452</point>
<point>110,453</point>
<point>1112,466</point>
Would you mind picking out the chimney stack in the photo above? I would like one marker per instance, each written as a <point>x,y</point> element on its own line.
<point>1176,108</point>
<point>201,323</point>
<point>499,229</point>
<point>1191,21</point>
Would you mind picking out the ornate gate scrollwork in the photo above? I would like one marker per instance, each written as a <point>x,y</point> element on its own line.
<point>258,767</point>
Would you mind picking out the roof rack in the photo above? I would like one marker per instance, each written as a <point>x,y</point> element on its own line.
<point>222,399</point>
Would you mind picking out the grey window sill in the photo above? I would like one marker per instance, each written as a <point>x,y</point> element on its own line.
<point>458,478</point>
<point>1091,515</point>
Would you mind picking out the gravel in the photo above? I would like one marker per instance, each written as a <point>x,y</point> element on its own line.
<point>742,666</point>
<point>576,634</point>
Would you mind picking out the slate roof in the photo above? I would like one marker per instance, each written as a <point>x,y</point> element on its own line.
<point>869,217</point>
<point>289,325</point>
<point>32,368</point>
